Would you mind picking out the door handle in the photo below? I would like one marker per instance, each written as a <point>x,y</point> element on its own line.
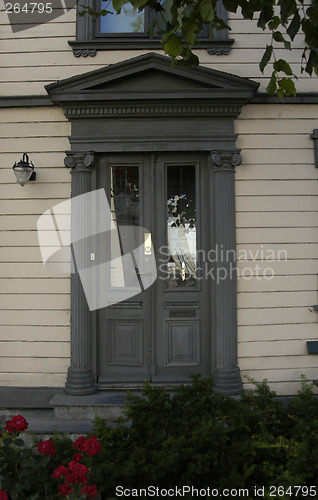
<point>183,271</point>
<point>147,244</point>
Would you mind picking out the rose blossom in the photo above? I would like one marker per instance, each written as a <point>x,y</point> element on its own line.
<point>47,447</point>
<point>17,423</point>
<point>77,457</point>
<point>4,496</point>
<point>91,446</point>
<point>65,489</point>
<point>90,490</point>
<point>79,471</point>
<point>60,471</point>
<point>79,443</point>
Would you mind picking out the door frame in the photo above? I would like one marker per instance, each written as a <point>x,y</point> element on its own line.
<point>143,104</point>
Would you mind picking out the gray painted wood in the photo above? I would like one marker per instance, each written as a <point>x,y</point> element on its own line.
<point>156,115</point>
<point>80,378</point>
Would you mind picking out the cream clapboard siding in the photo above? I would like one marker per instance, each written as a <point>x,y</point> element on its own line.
<point>277,219</point>
<point>34,57</point>
<point>277,206</point>
<point>34,304</point>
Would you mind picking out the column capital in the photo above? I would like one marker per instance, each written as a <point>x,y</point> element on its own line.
<point>226,160</point>
<point>81,161</point>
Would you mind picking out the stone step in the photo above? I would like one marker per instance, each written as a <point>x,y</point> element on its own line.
<point>73,415</point>
<point>108,405</point>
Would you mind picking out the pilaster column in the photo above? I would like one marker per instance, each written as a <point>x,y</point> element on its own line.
<point>228,379</point>
<point>80,378</point>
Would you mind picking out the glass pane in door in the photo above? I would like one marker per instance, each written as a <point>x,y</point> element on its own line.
<point>181,226</point>
<point>124,198</point>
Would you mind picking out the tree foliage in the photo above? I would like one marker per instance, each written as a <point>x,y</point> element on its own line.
<point>179,23</point>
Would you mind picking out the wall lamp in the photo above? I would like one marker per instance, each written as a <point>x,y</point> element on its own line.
<point>24,170</point>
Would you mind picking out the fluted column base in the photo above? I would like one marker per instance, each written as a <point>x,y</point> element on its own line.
<point>80,382</point>
<point>228,382</point>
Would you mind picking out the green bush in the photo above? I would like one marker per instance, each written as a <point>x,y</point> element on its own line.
<point>192,437</point>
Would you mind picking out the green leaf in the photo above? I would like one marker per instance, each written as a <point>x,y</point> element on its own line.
<point>287,8</point>
<point>266,57</point>
<point>282,65</point>
<point>190,31</point>
<point>287,85</point>
<point>272,86</point>
<point>137,3</point>
<point>274,23</point>
<point>231,5</point>
<point>280,93</point>
<point>294,26</point>
<point>117,4</point>
<point>278,37</point>
<point>189,10</point>
<point>173,45</point>
<point>266,15</point>
<point>207,11</point>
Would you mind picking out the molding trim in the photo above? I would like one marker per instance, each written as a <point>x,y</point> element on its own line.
<point>25,101</point>
<point>299,98</point>
<point>90,47</point>
<point>34,101</point>
<point>132,111</point>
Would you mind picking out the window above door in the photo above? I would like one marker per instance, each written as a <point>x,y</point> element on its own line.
<point>128,31</point>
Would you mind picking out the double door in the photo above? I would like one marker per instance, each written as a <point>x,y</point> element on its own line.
<point>158,326</point>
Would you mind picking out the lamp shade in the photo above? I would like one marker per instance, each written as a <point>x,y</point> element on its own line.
<point>23,170</point>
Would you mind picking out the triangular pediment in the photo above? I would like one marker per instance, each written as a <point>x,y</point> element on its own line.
<point>151,76</point>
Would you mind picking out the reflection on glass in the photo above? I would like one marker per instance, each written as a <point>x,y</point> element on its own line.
<point>124,205</point>
<point>128,21</point>
<point>181,225</point>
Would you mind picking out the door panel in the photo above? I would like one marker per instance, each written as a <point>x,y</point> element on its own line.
<point>162,333</point>
<point>182,338</point>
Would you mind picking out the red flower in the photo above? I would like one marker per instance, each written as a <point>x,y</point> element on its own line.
<point>91,446</point>
<point>47,447</point>
<point>70,477</point>
<point>4,496</point>
<point>17,423</point>
<point>60,471</point>
<point>77,458</point>
<point>79,443</point>
<point>65,489</point>
<point>90,490</point>
<point>79,471</point>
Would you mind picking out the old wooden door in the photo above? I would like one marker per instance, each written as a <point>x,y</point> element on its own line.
<point>162,333</point>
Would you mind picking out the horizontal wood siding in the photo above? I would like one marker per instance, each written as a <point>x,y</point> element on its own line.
<point>277,233</point>
<point>34,57</point>
<point>34,304</point>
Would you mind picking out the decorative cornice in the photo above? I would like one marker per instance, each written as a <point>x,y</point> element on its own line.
<point>149,110</point>
<point>89,47</point>
<point>226,160</point>
<point>79,161</point>
<point>78,52</point>
<point>219,50</point>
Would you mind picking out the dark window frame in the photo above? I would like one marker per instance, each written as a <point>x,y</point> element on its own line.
<point>89,39</point>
